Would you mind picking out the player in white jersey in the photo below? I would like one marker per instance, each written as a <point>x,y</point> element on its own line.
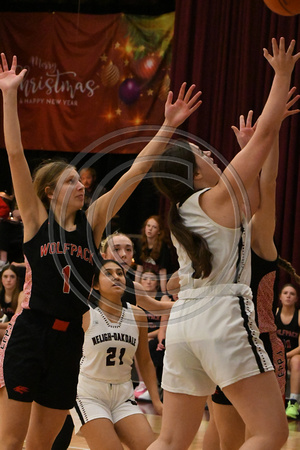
<point>106,410</point>
<point>212,337</point>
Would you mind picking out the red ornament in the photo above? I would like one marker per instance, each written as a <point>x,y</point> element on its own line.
<point>146,68</point>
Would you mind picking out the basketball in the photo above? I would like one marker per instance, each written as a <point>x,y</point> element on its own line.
<point>284,7</point>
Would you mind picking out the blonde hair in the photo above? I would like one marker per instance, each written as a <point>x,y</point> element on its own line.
<point>47,175</point>
<point>104,244</point>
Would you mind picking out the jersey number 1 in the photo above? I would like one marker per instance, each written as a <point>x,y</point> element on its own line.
<point>66,271</point>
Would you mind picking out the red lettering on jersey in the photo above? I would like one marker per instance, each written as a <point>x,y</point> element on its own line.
<point>85,254</point>
<point>66,248</point>
<point>73,249</point>
<point>79,252</point>
<point>44,249</point>
<point>59,252</point>
<point>52,249</point>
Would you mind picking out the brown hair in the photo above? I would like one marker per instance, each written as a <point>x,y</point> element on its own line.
<point>47,175</point>
<point>173,176</point>
<point>155,251</point>
<point>287,267</point>
<point>17,290</point>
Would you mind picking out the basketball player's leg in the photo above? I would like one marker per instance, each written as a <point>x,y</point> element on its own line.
<point>45,424</point>
<point>101,431</point>
<point>180,422</point>
<point>14,420</point>
<point>251,397</point>
<point>230,426</point>
<point>135,431</point>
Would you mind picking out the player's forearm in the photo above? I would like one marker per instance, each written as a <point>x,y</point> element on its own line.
<point>11,124</point>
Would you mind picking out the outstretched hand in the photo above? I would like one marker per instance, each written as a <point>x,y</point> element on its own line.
<point>282,61</point>
<point>246,130</point>
<point>8,77</point>
<point>290,112</point>
<point>176,113</point>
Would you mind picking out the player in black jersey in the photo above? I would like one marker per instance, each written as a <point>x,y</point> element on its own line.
<point>41,350</point>
<point>288,329</point>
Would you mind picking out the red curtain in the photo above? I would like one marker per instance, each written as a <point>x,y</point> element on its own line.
<point>218,45</point>
<point>88,77</point>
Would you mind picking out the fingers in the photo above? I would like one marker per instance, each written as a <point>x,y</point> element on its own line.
<point>182,91</point>
<point>189,93</point>
<point>242,121</point>
<point>249,119</point>
<point>194,99</point>
<point>275,48</point>
<point>293,112</point>
<point>291,92</point>
<point>4,63</point>
<point>22,73</point>
<point>4,66</point>
<point>186,97</point>
<point>266,54</point>
<point>281,44</point>
<point>235,130</point>
<point>14,64</point>
<point>191,110</point>
<point>291,47</point>
<point>169,98</point>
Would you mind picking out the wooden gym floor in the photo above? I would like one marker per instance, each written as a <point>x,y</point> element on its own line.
<point>293,443</point>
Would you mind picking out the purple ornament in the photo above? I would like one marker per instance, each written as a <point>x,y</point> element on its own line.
<point>129,91</point>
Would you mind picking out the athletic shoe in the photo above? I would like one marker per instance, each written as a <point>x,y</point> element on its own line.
<point>140,389</point>
<point>145,396</point>
<point>292,410</point>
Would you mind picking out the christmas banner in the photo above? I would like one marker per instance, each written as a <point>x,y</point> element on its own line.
<point>88,77</point>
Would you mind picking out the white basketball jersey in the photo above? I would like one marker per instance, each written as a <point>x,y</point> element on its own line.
<point>223,243</point>
<point>109,347</point>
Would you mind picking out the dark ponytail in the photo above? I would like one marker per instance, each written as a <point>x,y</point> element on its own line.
<point>173,176</point>
<point>287,267</point>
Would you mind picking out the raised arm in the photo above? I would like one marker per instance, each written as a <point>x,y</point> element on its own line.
<point>103,209</point>
<point>264,220</point>
<point>247,164</point>
<point>32,211</point>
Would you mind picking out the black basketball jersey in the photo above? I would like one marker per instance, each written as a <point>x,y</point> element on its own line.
<point>289,333</point>
<point>59,269</point>
<point>264,286</point>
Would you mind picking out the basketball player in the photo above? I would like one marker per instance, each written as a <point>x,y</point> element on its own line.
<point>41,350</point>
<point>105,409</point>
<point>212,335</point>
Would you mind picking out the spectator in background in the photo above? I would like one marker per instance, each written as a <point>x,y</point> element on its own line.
<point>153,252</point>
<point>288,329</point>
<point>11,231</point>
<point>88,177</point>
<point>11,295</point>
<point>156,333</point>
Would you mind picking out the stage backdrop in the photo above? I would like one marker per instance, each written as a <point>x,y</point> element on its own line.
<point>87,76</point>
